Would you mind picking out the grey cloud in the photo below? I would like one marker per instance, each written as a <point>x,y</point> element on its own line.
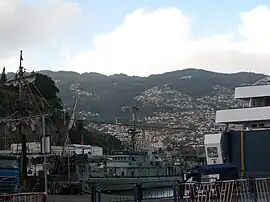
<point>229,61</point>
<point>23,24</point>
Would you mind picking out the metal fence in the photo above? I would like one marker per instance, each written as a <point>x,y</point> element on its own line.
<point>115,192</point>
<point>226,191</point>
<point>130,192</point>
<point>23,197</point>
<point>242,190</point>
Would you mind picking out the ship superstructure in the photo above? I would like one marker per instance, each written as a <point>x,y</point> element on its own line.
<point>247,148</point>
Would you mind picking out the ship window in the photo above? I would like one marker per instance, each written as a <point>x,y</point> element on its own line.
<point>212,152</point>
<point>253,125</point>
<point>267,102</point>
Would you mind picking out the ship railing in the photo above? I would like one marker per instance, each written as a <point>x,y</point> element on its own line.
<point>225,191</point>
<point>24,197</point>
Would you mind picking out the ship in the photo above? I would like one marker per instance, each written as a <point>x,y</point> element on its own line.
<point>236,157</point>
<point>123,169</point>
<point>247,146</point>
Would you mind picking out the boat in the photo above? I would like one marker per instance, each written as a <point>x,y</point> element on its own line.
<point>123,169</point>
<point>247,147</point>
<point>236,158</point>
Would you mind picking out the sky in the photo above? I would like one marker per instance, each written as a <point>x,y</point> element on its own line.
<point>135,37</point>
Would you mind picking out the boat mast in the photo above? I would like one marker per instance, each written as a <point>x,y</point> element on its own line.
<point>67,140</point>
<point>133,131</point>
<point>22,112</point>
<point>24,109</point>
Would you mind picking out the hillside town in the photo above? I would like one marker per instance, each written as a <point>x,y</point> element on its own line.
<point>174,109</point>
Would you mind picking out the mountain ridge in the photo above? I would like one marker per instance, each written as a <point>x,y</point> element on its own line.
<point>106,95</point>
<point>122,74</point>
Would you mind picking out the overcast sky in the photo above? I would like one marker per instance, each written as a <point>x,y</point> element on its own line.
<point>139,37</point>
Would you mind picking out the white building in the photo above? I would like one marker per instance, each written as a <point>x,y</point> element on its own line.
<point>35,148</point>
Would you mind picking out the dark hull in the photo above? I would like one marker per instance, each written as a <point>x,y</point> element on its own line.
<point>127,184</point>
<point>249,152</point>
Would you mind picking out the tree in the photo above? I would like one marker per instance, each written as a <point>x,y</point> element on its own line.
<point>45,89</point>
<point>43,95</point>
